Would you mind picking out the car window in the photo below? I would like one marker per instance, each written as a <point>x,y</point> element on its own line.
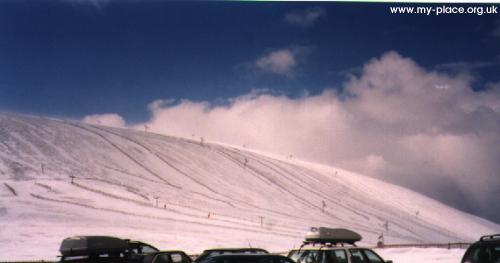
<point>333,256</point>
<point>148,249</point>
<point>176,257</point>
<point>357,256</point>
<point>162,258</point>
<point>179,258</point>
<point>305,256</point>
<point>294,255</point>
<point>372,257</point>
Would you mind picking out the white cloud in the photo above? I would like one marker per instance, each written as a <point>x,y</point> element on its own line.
<point>391,122</point>
<point>108,119</point>
<point>305,18</point>
<point>283,61</point>
<point>280,61</point>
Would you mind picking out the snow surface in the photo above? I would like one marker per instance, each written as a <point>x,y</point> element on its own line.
<point>421,255</point>
<point>266,201</point>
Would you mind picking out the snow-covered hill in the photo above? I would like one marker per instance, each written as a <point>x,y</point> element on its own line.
<point>179,194</point>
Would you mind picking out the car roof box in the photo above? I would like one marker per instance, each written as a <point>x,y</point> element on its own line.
<point>91,245</point>
<point>331,235</point>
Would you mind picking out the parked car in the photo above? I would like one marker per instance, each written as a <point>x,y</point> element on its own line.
<point>224,251</point>
<point>486,250</point>
<point>248,258</point>
<point>103,249</point>
<point>333,245</point>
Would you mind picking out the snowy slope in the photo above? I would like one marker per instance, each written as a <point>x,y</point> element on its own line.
<point>421,255</point>
<point>120,175</point>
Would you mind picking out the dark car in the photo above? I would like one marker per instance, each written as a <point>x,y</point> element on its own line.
<point>105,249</point>
<point>486,250</point>
<point>248,258</point>
<point>224,251</point>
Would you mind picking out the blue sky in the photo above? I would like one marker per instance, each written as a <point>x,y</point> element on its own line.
<point>74,58</point>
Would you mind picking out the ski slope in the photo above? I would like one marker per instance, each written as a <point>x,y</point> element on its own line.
<point>422,255</point>
<point>61,178</point>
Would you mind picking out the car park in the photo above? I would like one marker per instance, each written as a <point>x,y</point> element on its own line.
<point>248,258</point>
<point>333,245</point>
<point>486,250</point>
<point>224,251</point>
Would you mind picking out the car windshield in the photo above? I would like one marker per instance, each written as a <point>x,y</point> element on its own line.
<point>148,249</point>
<point>483,254</point>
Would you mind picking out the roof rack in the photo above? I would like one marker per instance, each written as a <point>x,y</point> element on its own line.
<point>489,237</point>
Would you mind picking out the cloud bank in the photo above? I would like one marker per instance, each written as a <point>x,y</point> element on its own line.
<point>395,121</point>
